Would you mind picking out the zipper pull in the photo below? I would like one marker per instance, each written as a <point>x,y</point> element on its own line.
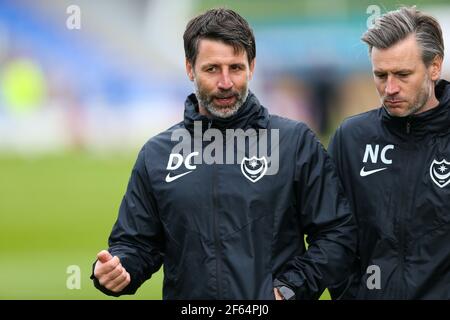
<point>209,123</point>
<point>408,127</point>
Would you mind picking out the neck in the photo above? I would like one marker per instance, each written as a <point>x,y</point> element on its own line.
<point>203,111</point>
<point>432,103</point>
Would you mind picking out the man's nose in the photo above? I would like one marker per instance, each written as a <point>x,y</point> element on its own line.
<point>392,86</point>
<point>225,82</point>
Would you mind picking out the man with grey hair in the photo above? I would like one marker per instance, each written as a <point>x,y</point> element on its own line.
<point>394,163</point>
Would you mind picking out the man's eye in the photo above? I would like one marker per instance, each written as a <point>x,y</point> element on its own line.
<point>380,75</point>
<point>211,69</point>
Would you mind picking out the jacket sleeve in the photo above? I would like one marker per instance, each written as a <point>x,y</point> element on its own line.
<point>137,236</point>
<point>325,218</point>
<point>347,289</point>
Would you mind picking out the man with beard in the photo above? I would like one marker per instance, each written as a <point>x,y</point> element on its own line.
<point>231,230</point>
<point>394,163</point>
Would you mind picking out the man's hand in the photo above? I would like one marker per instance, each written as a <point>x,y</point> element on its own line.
<point>277,294</point>
<point>110,272</point>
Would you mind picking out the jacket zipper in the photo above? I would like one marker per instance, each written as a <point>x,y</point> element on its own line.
<point>216,228</point>
<point>217,235</point>
<point>403,219</point>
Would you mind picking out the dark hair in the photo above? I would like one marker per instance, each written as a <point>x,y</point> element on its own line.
<point>219,24</point>
<point>395,26</point>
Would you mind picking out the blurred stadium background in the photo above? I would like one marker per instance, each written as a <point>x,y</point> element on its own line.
<point>77,104</point>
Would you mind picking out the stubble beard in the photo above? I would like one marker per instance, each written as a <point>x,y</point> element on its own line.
<point>207,100</point>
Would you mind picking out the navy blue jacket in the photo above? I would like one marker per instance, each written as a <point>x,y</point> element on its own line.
<point>396,174</point>
<point>221,235</point>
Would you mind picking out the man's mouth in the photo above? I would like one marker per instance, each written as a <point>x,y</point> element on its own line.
<point>225,101</point>
<point>393,102</point>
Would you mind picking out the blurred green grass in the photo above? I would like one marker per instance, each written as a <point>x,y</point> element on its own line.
<point>56,211</point>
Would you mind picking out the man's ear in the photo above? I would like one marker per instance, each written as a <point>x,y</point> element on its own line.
<point>252,68</point>
<point>189,70</point>
<point>435,68</point>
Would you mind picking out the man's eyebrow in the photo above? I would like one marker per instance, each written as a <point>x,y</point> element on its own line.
<point>403,71</point>
<point>380,71</point>
<point>238,64</point>
<point>208,65</point>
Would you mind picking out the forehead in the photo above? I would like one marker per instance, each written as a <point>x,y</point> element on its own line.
<point>218,52</point>
<point>405,54</point>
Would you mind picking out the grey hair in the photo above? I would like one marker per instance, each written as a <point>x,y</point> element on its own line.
<point>395,26</point>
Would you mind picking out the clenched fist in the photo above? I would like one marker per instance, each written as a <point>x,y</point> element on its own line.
<point>110,272</point>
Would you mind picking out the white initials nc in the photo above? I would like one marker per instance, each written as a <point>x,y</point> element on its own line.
<point>373,154</point>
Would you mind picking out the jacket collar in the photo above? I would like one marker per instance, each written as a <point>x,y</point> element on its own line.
<point>436,120</point>
<point>250,115</point>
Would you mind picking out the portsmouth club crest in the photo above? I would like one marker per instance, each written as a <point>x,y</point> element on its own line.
<point>440,172</point>
<point>254,168</point>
